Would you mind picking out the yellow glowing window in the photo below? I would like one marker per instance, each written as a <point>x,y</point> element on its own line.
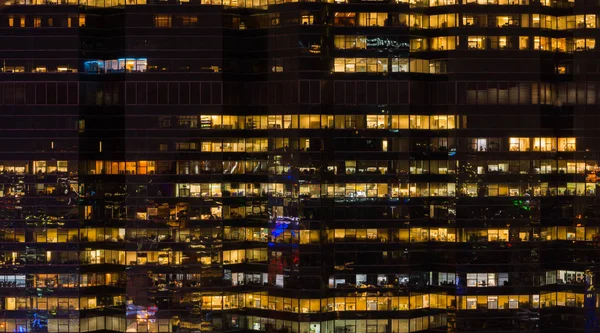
<point>519,144</point>
<point>590,21</point>
<point>523,42</point>
<point>419,122</point>
<point>162,21</point>
<point>443,122</point>
<point>544,144</point>
<point>476,43</point>
<point>567,144</point>
<point>307,19</point>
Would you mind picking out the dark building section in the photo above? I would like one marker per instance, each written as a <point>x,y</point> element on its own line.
<point>300,167</point>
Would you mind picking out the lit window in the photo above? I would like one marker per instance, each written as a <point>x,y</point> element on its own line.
<point>476,43</point>
<point>116,65</point>
<point>307,19</point>
<point>498,235</point>
<point>482,279</point>
<point>350,42</point>
<point>541,43</point>
<point>187,146</point>
<point>377,121</point>
<point>590,21</point>
<point>503,42</point>
<point>433,3</point>
<point>277,65</point>
<point>507,21</point>
<point>560,44</point>
<point>519,144</point>
<point>535,20</point>
<point>418,21</point>
<point>419,65</point>
<point>361,65</point>
<point>418,44</point>
<point>399,65</point>
<point>443,43</point>
<point>469,20</point>
<point>372,19</point>
<point>419,122</point>
<point>567,144</point>
<point>274,19</point>
<point>438,67</point>
<point>471,303</point>
<point>377,65</point>
<point>443,122</point>
<point>162,21</point>
<point>544,144</point>
<point>442,21</point>
<point>188,21</point>
<point>523,42</point>
<point>310,121</point>
<point>345,19</point>
<point>582,44</point>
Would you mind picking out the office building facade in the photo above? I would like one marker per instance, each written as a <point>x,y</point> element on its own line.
<point>309,167</point>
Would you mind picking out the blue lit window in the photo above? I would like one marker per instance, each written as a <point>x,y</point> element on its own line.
<point>116,65</point>
<point>93,66</point>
